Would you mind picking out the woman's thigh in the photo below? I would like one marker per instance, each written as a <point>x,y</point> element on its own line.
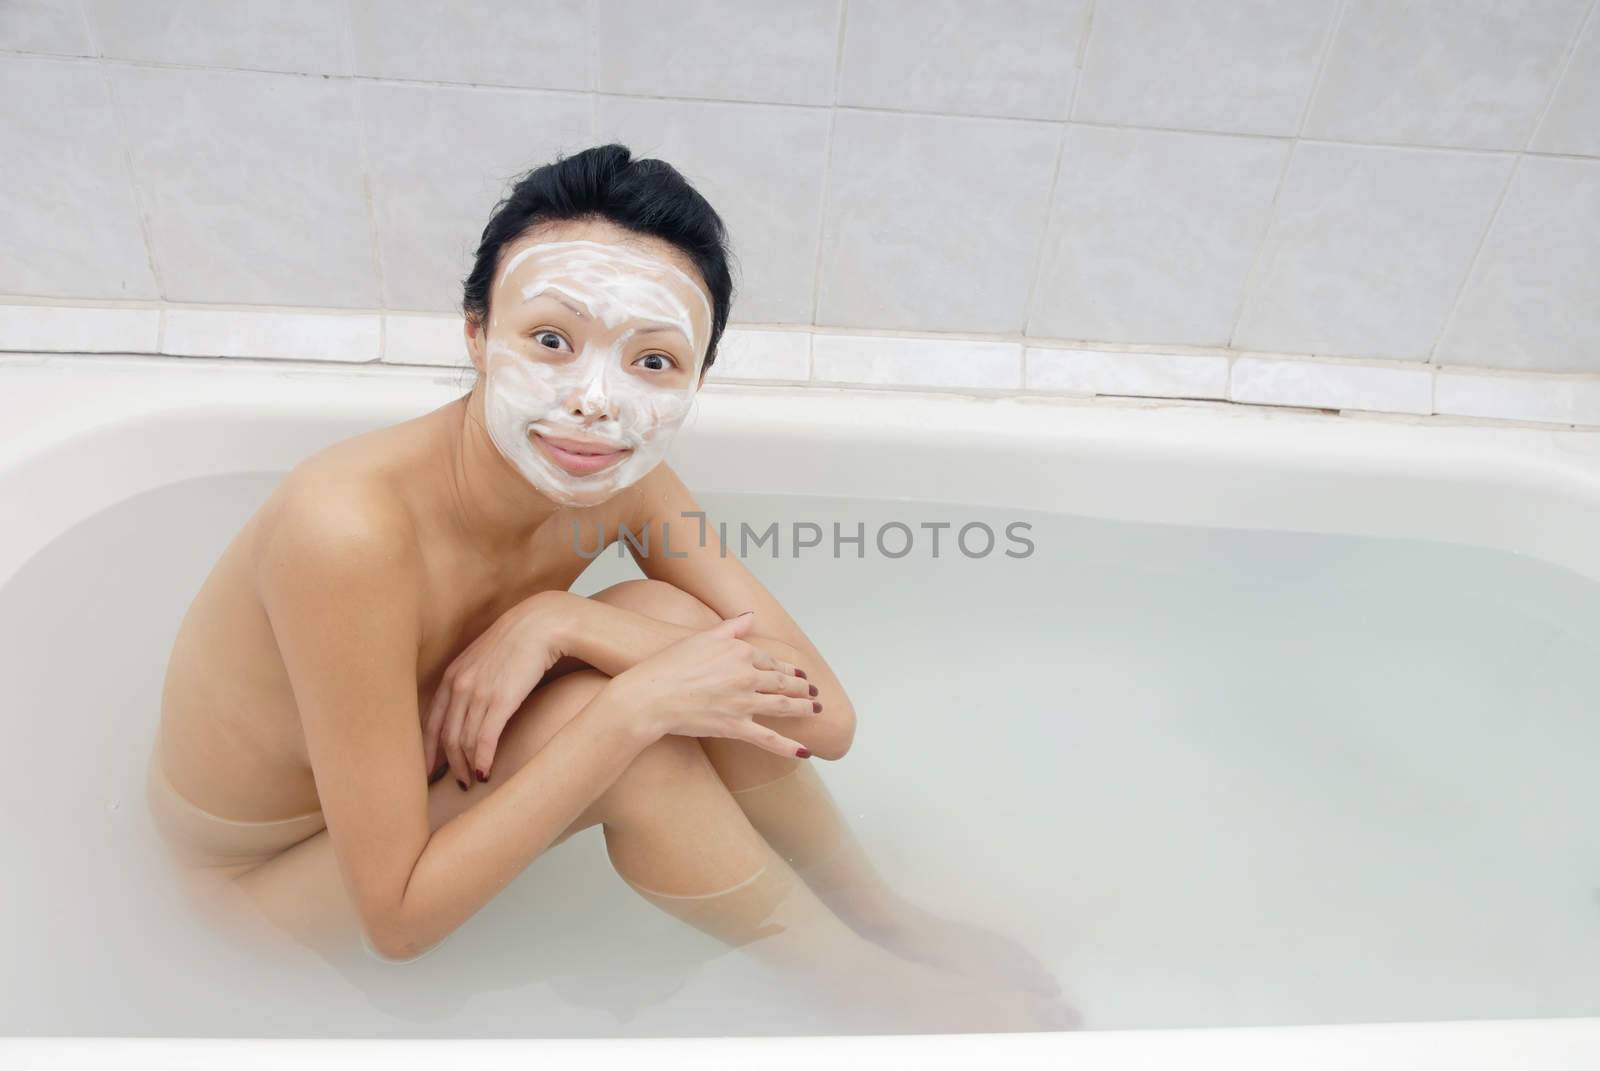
<point>300,891</point>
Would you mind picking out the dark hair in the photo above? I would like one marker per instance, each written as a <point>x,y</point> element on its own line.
<point>647,196</point>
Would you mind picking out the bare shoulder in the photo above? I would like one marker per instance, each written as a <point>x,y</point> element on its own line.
<point>339,525</point>
<point>659,496</point>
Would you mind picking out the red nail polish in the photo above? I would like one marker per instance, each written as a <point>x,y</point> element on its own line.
<point>481,775</point>
<point>813,689</point>
<point>816,707</point>
<point>798,672</point>
<point>462,783</point>
<point>802,754</point>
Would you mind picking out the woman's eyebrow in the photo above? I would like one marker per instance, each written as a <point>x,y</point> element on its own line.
<point>558,297</point>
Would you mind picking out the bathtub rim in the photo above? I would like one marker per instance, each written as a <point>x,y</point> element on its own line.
<point>1522,490</point>
<point>1472,1045</point>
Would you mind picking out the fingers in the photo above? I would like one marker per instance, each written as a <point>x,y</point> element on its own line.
<point>768,740</point>
<point>779,706</point>
<point>430,735</point>
<point>775,682</point>
<point>734,626</point>
<point>471,729</point>
<point>487,740</point>
<point>451,733</point>
<point>763,660</point>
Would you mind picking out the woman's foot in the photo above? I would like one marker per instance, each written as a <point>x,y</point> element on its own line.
<point>964,1006</point>
<point>957,946</point>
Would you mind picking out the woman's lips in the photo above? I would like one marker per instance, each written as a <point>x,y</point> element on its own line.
<point>577,456</point>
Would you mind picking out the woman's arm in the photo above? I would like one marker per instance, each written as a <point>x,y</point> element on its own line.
<point>338,578</point>
<point>611,639</point>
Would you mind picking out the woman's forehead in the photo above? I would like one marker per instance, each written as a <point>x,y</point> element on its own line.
<point>609,268</point>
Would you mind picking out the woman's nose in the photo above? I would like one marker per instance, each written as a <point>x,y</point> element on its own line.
<point>588,399</point>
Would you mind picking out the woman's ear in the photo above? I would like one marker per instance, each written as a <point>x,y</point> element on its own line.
<point>473,331</point>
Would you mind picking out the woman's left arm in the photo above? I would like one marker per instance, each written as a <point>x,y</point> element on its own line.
<point>554,632</point>
<point>681,548</point>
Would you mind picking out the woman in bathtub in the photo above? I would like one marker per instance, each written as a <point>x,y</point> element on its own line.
<point>385,699</point>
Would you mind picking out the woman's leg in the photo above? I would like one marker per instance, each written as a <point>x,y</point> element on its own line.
<point>677,837</point>
<point>787,802</point>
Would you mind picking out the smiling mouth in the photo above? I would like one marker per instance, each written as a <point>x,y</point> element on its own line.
<point>578,457</point>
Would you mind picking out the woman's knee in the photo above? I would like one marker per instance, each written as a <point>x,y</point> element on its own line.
<point>660,600</point>
<point>547,708</point>
<point>663,771</point>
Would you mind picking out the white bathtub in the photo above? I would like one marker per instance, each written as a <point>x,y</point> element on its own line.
<point>86,434</point>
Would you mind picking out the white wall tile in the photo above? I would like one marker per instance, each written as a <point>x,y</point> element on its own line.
<point>44,26</point>
<point>1244,66</point>
<point>746,354</point>
<point>778,51</point>
<point>253,183</point>
<point>436,176</point>
<point>1503,396</point>
<point>1572,125</point>
<point>1139,375</point>
<point>883,361</point>
<point>1465,73</point>
<point>545,45</point>
<point>1332,385</point>
<point>435,340</point>
<point>1367,249</point>
<point>295,336</point>
<point>1152,235</point>
<point>1005,58</point>
<point>310,36</point>
<point>761,168</point>
<point>933,223</point>
<point>1534,297</point>
<point>70,329</point>
<point>69,224</point>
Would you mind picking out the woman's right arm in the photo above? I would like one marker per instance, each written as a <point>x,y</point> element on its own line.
<point>339,581</point>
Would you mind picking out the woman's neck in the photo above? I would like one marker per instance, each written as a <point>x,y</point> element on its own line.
<point>494,504</point>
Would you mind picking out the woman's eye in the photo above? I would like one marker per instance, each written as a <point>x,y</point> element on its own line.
<point>549,340</point>
<point>655,362</point>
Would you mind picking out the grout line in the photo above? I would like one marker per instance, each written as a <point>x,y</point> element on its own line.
<point>417,82</point>
<point>89,36</point>
<point>1264,243</point>
<point>1505,190</point>
<point>1080,62</point>
<point>1317,79</point>
<point>827,168</point>
<point>1472,262</point>
<point>1562,70</point>
<point>443,371</point>
<point>813,332</point>
<point>141,205</point>
<point>1044,231</point>
<point>1179,350</point>
<point>593,45</point>
<point>1055,180</point>
<point>359,114</point>
<point>592,18</point>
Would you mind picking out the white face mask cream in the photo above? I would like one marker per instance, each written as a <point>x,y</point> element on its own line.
<point>581,426</point>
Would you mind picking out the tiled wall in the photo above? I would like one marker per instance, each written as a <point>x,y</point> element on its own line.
<point>1084,196</point>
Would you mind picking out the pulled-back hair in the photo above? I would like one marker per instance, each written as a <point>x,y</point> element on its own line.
<point>647,196</point>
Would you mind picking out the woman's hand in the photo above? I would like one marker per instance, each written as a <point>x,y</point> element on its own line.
<point>713,683</point>
<point>487,683</point>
